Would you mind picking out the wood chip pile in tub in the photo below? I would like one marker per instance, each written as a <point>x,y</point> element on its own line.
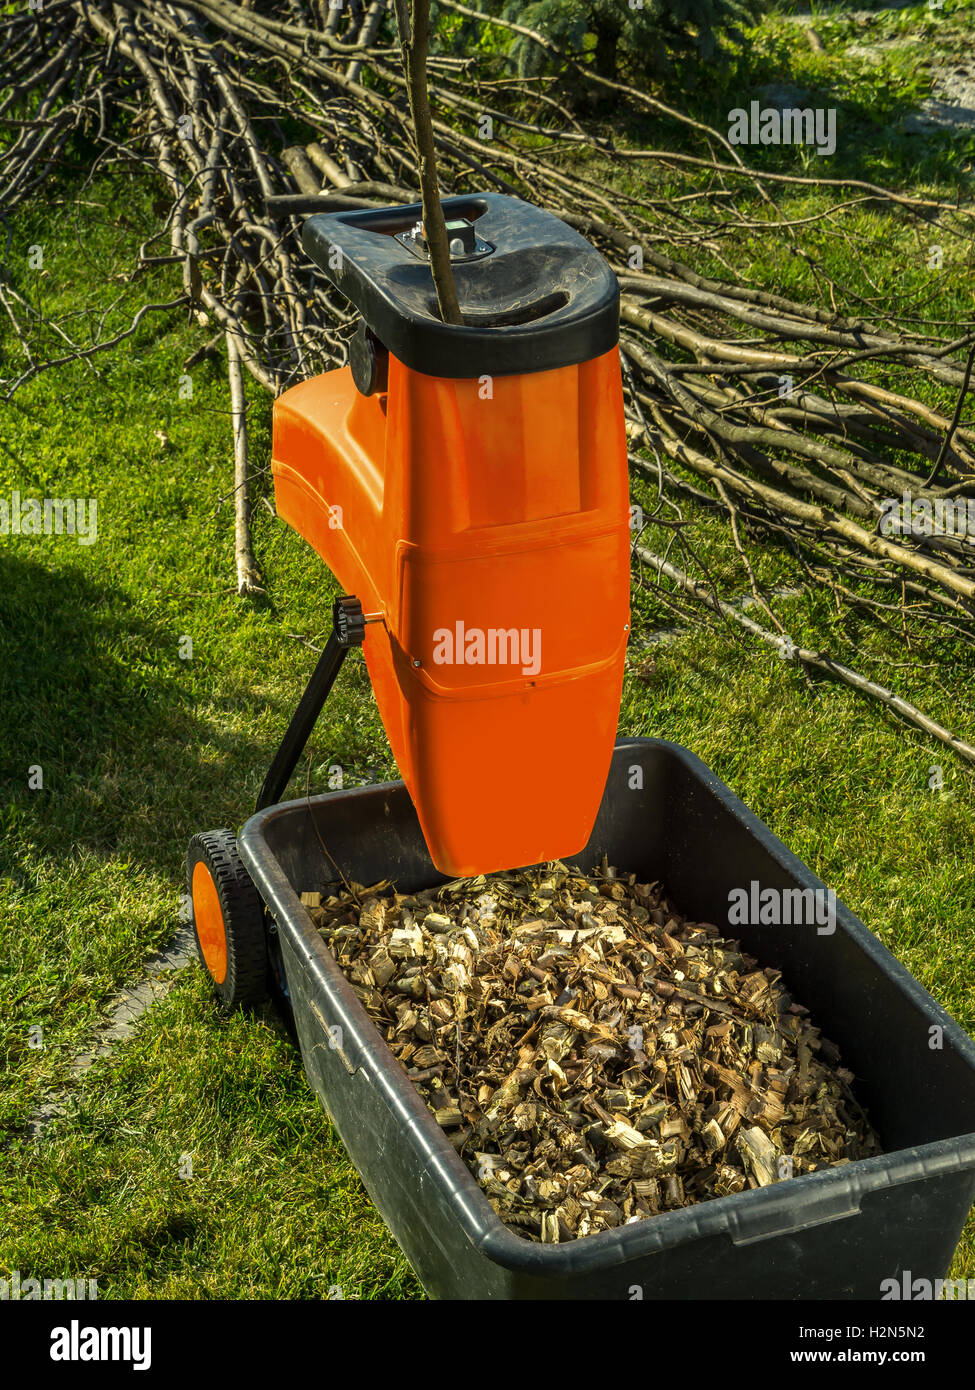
<point>595,1057</point>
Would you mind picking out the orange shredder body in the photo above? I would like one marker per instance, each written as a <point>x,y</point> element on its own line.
<point>469,485</point>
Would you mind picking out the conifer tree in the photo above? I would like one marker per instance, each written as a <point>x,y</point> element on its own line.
<point>632,38</point>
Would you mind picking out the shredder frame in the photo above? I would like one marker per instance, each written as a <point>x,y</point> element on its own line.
<point>833,1234</point>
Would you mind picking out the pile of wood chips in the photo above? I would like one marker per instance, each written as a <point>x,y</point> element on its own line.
<point>593,1056</point>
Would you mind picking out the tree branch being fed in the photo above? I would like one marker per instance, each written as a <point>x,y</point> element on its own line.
<point>415,42</point>
<point>248,574</point>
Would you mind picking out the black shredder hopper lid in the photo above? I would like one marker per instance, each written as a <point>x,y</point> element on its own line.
<point>535,295</point>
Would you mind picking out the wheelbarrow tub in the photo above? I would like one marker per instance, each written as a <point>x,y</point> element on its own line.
<point>835,1234</point>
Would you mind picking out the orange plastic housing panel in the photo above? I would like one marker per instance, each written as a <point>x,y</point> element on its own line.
<point>489,523</point>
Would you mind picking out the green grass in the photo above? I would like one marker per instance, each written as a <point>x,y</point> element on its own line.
<point>140,749</point>
<point>198,1165</point>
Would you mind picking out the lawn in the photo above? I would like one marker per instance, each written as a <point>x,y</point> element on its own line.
<point>195,1161</point>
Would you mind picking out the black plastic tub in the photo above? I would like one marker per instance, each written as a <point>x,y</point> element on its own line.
<point>838,1233</point>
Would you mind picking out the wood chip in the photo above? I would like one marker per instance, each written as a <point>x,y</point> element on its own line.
<point>595,1057</point>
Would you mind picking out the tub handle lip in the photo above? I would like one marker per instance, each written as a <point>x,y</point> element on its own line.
<point>834,1194</point>
<point>786,1216</point>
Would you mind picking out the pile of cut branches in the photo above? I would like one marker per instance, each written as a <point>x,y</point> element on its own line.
<point>775,412</point>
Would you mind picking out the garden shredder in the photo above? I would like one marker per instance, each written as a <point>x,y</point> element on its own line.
<point>467,485</point>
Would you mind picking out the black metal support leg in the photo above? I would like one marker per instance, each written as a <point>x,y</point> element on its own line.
<point>348,630</point>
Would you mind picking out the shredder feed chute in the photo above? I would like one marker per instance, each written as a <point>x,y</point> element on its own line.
<point>469,484</point>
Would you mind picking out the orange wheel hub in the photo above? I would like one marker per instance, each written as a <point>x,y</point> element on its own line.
<point>210,927</point>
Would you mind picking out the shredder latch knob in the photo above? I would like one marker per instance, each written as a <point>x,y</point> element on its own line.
<point>369,361</point>
<point>348,621</point>
<point>461,237</point>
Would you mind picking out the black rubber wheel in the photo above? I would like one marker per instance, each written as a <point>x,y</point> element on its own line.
<point>228,920</point>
